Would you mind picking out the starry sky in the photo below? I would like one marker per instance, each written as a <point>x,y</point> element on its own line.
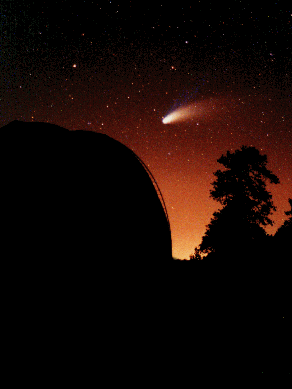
<point>120,67</point>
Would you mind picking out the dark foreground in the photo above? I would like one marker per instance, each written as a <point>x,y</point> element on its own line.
<point>136,326</point>
<point>90,295</point>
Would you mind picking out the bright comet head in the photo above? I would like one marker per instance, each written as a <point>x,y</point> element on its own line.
<point>167,119</point>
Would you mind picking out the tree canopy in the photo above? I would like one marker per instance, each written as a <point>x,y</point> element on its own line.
<point>247,204</point>
<point>284,232</point>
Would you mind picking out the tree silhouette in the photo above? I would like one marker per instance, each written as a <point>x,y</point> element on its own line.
<point>237,228</point>
<point>196,256</point>
<point>287,223</point>
<point>282,245</point>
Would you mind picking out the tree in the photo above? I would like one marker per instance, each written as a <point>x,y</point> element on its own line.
<point>287,223</point>
<point>281,253</point>
<point>282,245</point>
<point>196,256</point>
<point>238,227</point>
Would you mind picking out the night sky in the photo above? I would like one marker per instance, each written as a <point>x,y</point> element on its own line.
<point>120,67</point>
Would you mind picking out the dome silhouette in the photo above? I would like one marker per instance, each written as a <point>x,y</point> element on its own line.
<point>79,194</point>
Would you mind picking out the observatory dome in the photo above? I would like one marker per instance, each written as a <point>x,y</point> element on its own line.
<point>80,193</point>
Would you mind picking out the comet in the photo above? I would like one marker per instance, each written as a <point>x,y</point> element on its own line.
<point>182,114</point>
<point>192,111</point>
